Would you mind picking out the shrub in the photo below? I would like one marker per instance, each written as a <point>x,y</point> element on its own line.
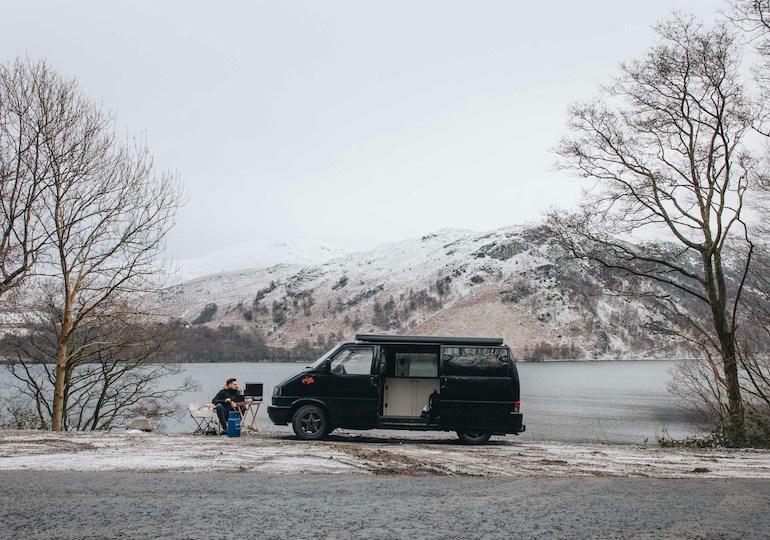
<point>207,314</point>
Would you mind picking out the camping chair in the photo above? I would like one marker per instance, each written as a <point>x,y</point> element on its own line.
<point>205,417</point>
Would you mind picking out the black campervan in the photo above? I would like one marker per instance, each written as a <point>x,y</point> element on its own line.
<point>467,385</point>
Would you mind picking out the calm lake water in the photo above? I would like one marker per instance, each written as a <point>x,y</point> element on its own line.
<point>616,401</point>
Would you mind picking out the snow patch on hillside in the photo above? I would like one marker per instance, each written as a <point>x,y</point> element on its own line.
<point>258,253</point>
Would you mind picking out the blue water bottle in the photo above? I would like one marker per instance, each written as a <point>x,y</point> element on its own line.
<point>234,424</point>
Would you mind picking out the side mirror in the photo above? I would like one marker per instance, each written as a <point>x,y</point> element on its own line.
<point>327,366</point>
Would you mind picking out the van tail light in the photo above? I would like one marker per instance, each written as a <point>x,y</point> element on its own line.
<point>516,406</point>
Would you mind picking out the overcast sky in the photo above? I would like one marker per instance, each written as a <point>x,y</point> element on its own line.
<point>349,123</point>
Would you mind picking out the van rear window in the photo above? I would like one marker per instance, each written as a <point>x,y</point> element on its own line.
<point>475,362</point>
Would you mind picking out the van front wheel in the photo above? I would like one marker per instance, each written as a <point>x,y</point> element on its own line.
<point>473,437</point>
<point>310,423</point>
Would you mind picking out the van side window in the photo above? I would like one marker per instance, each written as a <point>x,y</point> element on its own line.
<point>416,364</point>
<point>353,361</point>
<point>475,361</point>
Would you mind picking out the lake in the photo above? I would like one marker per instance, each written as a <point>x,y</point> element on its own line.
<point>614,402</point>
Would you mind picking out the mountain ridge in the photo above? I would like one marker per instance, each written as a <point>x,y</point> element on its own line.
<point>254,254</point>
<point>512,282</point>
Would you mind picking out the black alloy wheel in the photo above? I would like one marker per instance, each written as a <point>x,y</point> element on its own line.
<point>310,423</point>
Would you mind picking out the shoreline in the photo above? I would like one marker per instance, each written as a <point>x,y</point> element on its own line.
<point>345,453</point>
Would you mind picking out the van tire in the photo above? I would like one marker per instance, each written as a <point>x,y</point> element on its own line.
<point>310,423</point>
<point>473,437</point>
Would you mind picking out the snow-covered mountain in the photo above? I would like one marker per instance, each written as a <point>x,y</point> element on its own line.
<point>511,282</point>
<point>258,253</point>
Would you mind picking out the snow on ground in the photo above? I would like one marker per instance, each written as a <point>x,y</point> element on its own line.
<point>364,454</point>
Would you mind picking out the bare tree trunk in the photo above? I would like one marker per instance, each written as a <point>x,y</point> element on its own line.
<point>714,284</point>
<point>737,434</point>
<point>59,384</point>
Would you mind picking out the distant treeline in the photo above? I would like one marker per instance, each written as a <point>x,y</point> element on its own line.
<point>187,344</point>
<point>202,344</point>
<point>233,344</point>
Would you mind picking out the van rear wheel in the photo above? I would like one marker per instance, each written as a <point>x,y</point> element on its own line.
<point>473,437</point>
<point>310,423</point>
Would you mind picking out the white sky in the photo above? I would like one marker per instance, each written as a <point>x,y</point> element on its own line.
<point>349,123</point>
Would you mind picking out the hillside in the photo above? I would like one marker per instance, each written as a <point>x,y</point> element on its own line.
<point>257,253</point>
<point>510,282</point>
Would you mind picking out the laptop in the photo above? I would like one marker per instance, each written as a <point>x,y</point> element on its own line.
<point>253,391</point>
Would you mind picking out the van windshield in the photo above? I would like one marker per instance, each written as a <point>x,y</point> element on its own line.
<point>318,363</point>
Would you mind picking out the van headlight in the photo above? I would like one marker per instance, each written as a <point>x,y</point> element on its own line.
<point>276,391</point>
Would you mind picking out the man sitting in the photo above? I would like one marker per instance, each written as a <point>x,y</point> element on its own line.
<point>227,400</point>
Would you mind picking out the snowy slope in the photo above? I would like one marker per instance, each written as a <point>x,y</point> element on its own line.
<point>510,282</point>
<point>258,253</point>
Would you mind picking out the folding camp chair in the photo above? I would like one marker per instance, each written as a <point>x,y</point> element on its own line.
<point>205,417</point>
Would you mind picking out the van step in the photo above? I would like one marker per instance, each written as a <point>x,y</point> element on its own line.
<point>406,423</point>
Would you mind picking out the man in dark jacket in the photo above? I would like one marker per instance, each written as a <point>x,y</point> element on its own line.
<point>226,400</point>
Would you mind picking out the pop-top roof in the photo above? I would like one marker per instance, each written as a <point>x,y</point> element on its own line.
<point>434,340</point>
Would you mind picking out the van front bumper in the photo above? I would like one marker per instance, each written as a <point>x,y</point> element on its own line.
<point>280,416</point>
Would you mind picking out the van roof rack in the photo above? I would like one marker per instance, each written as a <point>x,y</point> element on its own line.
<point>385,338</point>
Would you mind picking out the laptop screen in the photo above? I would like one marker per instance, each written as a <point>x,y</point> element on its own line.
<point>253,390</point>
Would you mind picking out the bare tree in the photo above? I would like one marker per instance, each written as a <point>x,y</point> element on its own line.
<point>700,383</point>
<point>753,18</point>
<point>106,213</point>
<point>118,369</point>
<point>24,169</point>
<point>664,150</point>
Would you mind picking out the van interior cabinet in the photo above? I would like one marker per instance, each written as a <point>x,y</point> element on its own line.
<point>406,397</point>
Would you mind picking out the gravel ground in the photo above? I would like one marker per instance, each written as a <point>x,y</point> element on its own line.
<point>125,484</point>
<point>67,505</point>
<point>365,454</point>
